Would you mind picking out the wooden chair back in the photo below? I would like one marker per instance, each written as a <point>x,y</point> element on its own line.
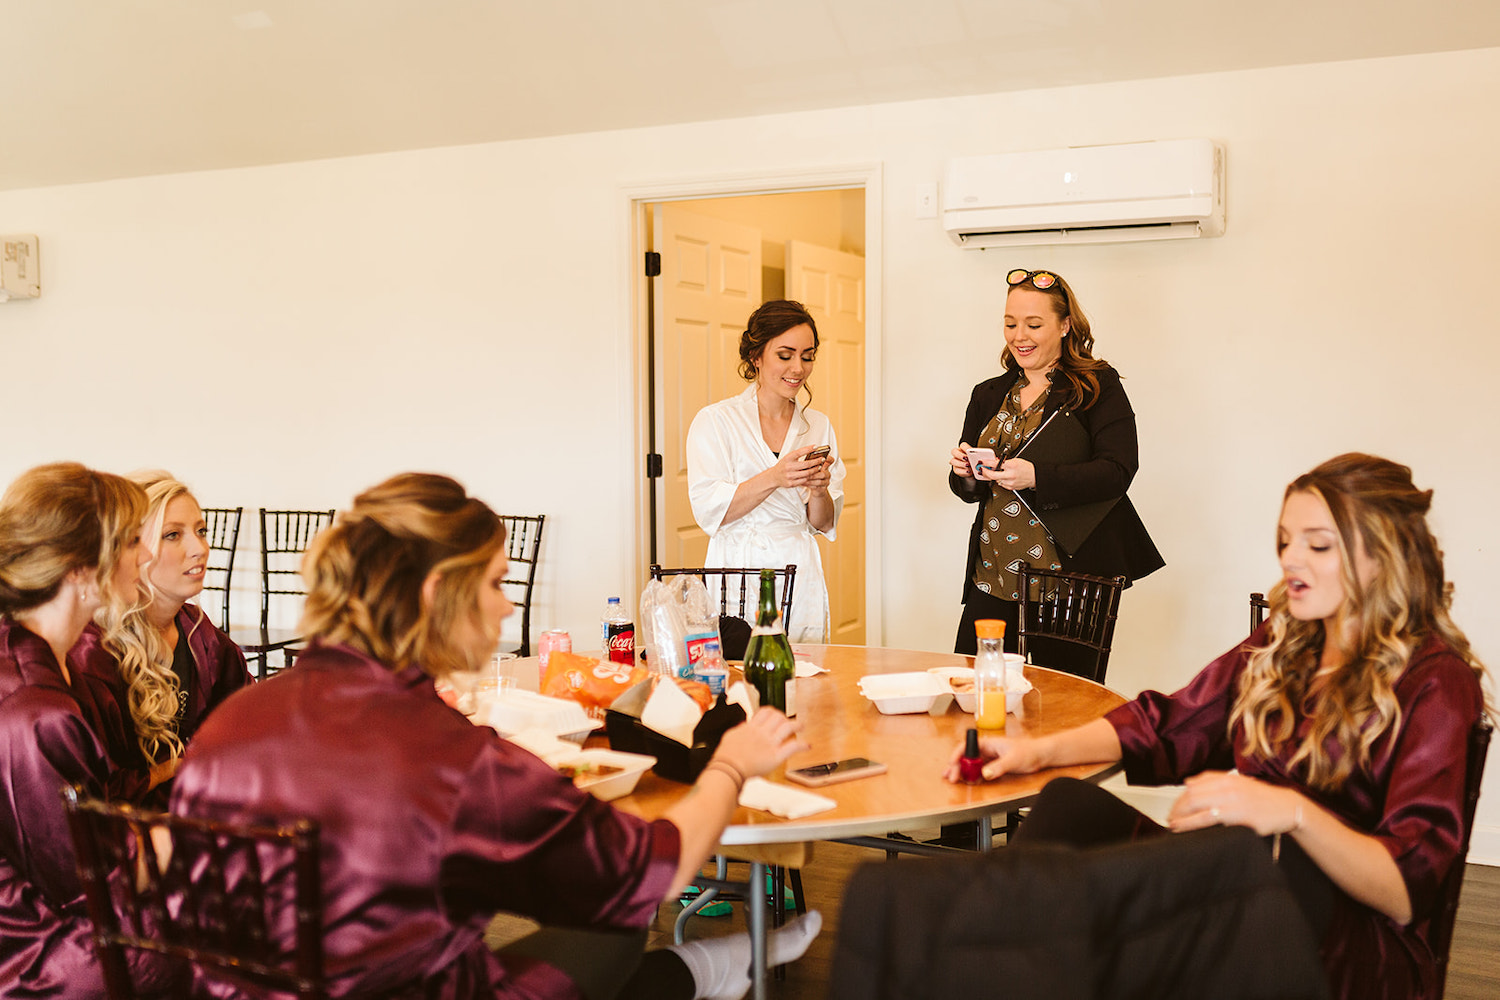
<point>223,897</point>
<point>223,542</point>
<point>1070,608</point>
<point>738,591</point>
<point>1259,608</point>
<point>523,543</point>
<point>1441,938</point>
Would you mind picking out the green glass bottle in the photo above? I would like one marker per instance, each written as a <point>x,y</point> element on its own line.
<point>769,665</point>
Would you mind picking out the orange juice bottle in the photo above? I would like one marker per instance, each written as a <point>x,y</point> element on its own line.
<point>989,675</point>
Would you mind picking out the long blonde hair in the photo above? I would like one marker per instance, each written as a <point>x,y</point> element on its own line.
<point>153,691</point>
<point>61,517</point>
<point>1375,507</point>
<point>365,574</point>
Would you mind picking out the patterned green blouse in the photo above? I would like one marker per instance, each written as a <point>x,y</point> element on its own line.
<point>1011,535</point>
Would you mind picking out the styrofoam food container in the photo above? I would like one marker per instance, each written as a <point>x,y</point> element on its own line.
<point>965,699</point>
<point>611,786</point>
<point>1016,686</point>
<point>517,711</point>
<point>907,693</point>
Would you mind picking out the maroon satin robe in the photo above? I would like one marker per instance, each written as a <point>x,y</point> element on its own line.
<point>430,825</point>
<point>220,671</point>
<point>1410,798</point>
<point>45,743</point>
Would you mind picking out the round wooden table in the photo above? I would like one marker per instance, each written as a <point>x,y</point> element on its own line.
<point>839,722</point>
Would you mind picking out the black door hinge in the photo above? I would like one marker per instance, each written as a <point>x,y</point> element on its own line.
<point>653,263</point>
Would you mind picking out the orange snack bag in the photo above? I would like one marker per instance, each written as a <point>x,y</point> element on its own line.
<point>592,683</point>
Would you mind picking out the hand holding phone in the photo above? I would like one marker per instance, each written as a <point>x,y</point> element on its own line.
<point>835,771</point>
<point>981,459</point>
<point>818,454</point>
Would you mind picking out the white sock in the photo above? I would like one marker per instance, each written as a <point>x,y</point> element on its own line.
<point>721,965</point>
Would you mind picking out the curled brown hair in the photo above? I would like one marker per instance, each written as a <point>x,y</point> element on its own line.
<point>767,323</point>
<point>1376,509</point>
<point>1076,362</point>
<point>365,573</point>
<point>61,517</point>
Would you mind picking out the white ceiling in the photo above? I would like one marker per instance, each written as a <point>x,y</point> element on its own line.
<point>97,89</point>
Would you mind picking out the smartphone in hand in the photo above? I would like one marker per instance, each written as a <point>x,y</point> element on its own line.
<point>981,459</point>
<point>818,453</point>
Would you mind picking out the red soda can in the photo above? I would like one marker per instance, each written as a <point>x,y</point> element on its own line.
<point>619,641</point>
<point>552,641</point>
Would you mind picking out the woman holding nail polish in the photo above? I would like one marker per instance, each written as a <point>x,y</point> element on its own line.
<point>1339,730</point>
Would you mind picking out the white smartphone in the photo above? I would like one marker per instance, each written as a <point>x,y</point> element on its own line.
<point>981,459</point>
<point>835,771</point>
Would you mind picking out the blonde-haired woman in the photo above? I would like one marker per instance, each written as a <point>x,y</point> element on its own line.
<point>163,666</point>
<point>1340,727</point>
<point>69,541</point>
<point>430,824</point>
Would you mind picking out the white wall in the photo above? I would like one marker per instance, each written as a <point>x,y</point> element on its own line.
<point>287,335</point>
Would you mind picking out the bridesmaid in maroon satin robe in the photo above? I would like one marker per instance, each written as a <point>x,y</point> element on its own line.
<point>1339,728</point>
<point>179,663</point>
<point>429,823</point>
<point>69,540</point>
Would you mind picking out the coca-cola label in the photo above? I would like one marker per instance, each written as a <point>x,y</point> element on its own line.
<point>619,637</point>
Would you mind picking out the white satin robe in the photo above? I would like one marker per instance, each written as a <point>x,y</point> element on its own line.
<point>725,448</point>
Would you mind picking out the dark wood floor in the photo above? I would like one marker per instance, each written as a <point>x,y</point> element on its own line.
<point>1474,973</point>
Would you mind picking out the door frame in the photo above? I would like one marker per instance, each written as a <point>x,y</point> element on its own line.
<point>634,200</point>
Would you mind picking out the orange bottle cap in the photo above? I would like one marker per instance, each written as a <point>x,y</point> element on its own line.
<point>989,628</point>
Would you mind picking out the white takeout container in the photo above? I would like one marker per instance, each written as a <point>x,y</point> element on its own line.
<point>610,786</point>
<point>965,699</point>
<point>517,711</point>
<point>1016,686</point>
<point>907,693</point>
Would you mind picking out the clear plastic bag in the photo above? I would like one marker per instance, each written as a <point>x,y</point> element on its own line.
<point>679,622</point>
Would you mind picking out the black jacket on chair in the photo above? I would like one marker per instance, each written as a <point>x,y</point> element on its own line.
<point>1186,916</point>
<point>1120,544</point>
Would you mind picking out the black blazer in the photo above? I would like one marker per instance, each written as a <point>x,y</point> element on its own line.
<point>1120,545</point>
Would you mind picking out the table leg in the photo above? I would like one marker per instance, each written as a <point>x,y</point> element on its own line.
<point>986,833</point>
<point>755,916</point>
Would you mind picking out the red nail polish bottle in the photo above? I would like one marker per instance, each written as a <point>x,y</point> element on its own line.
<point>971,765</point>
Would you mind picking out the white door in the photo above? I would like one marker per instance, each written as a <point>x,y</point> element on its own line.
<point>708,286</point>
<point>831,284</point>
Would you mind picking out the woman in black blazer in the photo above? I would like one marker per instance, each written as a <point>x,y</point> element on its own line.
<point>1049,366</point>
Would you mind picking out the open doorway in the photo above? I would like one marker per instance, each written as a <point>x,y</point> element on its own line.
<point>720,258</point>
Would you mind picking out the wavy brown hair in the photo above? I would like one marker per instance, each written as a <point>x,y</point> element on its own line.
<point>365,573</point>
<point>60,517</point>
<point>1076,363</point>
<point>1377,510</point>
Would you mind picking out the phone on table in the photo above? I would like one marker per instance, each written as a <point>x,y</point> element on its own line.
<point>835,771</point>
<point>821,451</point>
<point>981,459</point>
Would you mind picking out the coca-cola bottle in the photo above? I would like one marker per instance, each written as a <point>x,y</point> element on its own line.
<point>618,633</point>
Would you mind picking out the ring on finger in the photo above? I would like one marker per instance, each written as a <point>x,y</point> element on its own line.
<point>1214,812</point>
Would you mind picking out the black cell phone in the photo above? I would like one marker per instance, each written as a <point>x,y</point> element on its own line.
<point>835,771</point>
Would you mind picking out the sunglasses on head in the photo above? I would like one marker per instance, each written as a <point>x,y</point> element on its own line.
<point>1039,279</point>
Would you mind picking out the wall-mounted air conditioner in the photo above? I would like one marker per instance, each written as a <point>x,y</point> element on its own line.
<point>1167,189</point>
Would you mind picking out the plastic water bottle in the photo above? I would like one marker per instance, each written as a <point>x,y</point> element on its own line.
<point>617,633</point>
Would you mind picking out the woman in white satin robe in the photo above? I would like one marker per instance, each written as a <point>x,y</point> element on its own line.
<point>754,484</point>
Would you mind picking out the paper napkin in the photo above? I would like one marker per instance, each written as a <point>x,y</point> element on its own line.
<point>807,668</point>
<point>783,800</point>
